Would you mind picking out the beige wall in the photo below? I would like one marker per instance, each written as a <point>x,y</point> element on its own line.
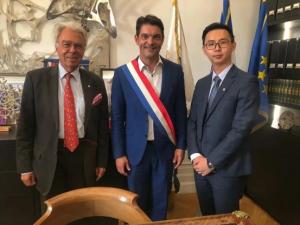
<point>195,14</point>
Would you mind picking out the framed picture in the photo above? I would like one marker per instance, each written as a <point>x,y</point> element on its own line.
<point>11,87</point>
<point>107,75</point>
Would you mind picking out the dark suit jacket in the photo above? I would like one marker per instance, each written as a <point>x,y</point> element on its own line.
<point>220,133</point>
<point>38,125</point>
<point>130,119</point>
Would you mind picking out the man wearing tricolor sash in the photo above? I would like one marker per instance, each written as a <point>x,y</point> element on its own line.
<point>149,119</point>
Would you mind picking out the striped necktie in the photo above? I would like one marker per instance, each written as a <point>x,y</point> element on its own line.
<point>214,90</point>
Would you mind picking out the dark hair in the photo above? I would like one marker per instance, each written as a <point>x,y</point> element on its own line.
<point>216,26</point>
<point>149,19</point>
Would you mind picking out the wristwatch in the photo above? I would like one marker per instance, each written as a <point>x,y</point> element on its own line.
<point>210,165</point>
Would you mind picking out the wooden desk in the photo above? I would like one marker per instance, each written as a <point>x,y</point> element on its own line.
<point>224,219</point>
<point>21,205</point>
<point>276,165</point>
<point>18,204</point>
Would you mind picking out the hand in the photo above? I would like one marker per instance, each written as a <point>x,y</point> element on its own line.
<point>200,163</point>
<point>201,167</point>
<point>99,172</point>
<point>28,179</point>
<point>178,157</point>
<point>206,172</point>
<point>122,165</point>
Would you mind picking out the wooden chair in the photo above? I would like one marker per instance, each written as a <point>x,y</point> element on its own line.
<point>95,201</point>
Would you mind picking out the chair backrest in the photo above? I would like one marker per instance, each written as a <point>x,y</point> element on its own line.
<point>94,201</point>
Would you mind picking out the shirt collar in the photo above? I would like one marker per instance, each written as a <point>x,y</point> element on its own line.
<point>62,72</point>
<point>142,66</point>
<point>223,74</point>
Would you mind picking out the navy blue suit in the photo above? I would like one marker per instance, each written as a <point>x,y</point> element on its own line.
<point>129,137</point>
<point>220,134</point>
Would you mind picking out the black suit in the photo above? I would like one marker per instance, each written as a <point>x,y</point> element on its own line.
<point>38,126</point>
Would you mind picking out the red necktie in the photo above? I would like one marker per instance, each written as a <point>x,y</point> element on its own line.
<point>70,122</point>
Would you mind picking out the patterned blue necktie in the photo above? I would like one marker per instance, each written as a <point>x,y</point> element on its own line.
<point>214,90</point>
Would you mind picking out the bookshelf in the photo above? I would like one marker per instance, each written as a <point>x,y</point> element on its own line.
<point>275,147</point>
<point>284,53</point>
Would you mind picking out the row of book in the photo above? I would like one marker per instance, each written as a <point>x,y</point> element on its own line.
<point>284,59</point>
<point>282,10</point>
<point>282,91</point>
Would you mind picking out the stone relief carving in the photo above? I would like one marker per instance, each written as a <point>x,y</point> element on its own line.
<point>23,24</point>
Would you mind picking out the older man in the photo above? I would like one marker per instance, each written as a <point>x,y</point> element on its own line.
<point>62,136</point>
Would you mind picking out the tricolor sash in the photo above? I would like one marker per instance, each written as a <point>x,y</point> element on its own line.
<point>149,99</point>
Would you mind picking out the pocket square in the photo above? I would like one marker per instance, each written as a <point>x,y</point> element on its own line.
<point>97,99</point>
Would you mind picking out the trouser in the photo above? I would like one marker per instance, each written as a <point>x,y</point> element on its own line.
<point>72,173</point>
<point>218,194</point>
<point>151,180</point>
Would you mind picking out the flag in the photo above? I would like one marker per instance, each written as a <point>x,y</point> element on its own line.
<point>177,51</point>
<point>226,14</point>
<point>258,61</point>
<point>226,19</point>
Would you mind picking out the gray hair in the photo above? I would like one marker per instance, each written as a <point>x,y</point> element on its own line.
<point>73,26</point>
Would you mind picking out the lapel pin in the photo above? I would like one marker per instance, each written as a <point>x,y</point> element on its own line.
<point>224,89</point>
<point>89,86</point>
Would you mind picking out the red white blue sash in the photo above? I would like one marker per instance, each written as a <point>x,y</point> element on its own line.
<point>149,99</point>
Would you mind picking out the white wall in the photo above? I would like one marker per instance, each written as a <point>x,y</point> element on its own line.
<point>195,15</point>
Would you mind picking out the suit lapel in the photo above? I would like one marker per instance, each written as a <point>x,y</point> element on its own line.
<point>206,88</point>
<point>203,100</point>
<point>88,94</point>
<point>53,93</point>
<point>165,81</point>
<point>230,77</point>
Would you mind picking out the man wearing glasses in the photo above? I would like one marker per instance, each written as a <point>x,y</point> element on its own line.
<point>224,106</point>
<point>62,136</point>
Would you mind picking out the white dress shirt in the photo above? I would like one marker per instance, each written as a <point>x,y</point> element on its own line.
<point>78,99</point>
<point>222,76</point>
<point>155,79</point>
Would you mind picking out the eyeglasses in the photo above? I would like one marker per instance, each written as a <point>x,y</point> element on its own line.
<point>223,43</point>
<point>70,44</point>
